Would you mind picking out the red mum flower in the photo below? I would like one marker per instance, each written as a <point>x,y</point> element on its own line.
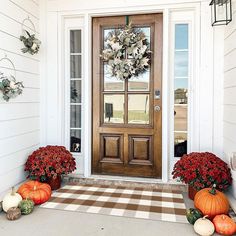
<point>49,161</point>
<point>202,170</point>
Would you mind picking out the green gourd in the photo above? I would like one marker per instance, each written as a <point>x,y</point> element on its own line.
<point>193,215</point>
<point>26,206</point>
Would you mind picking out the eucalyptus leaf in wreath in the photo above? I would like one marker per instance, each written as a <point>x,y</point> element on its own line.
<point>31,43</point>
<point>9,87</point>
<point>127,52</point>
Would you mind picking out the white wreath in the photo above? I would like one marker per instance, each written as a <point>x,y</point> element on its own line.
<point>127,53</point>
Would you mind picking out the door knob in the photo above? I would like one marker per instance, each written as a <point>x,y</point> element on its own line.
<point>157,108</point>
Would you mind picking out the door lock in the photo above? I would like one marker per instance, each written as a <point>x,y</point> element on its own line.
<point>157,94</point>
<point>157,108</point>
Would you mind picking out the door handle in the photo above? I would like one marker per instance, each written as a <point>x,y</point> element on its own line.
<point>157,108</point>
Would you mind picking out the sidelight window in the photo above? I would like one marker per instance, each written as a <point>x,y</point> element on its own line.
<point>75,90</point>
<point>181,84</point>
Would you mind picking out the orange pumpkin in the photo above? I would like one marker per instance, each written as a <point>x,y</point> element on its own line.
<point>36,191</point>
<point>211,202</point>
<point>224,225</point>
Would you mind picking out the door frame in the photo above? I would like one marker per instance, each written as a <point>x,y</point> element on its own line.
<point>86,14</point>
<point>165,92</point>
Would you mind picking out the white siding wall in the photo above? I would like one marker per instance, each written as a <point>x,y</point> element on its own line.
<point>20,117</point>
<point>230,90</point>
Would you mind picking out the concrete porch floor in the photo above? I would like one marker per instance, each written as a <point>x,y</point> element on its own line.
<point>50,222</point>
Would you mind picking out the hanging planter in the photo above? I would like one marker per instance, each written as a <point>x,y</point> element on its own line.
<point>127,52</point>
<point>9,87</point>
<point>31,43</point>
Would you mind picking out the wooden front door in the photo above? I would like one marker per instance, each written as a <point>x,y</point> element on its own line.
<point>127,114</point>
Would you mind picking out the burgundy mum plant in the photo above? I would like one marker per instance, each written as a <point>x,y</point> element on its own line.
<point>49,162</point>
<point>202,170</point>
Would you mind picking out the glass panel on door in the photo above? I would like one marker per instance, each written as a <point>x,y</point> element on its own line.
<point>111,83</point>
<point>126,101</point>
<point>140,83</point>
<point>114,108</point>
<point>138,109</point>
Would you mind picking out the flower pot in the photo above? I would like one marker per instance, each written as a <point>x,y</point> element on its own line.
<point>191,192</point>
<point>54,183</point>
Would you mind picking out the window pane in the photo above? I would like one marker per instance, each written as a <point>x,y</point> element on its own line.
<point>112,83</point>
<point>181,96</point>
<point>75,66</point>
<point>181,118</point>
<point>181,64</point>
<point>106,33</point>
<point>75,140</point>
<point>147,32</point>
<point>181,36</point>
<point>75,93</point>
<point>75,116</point>
<point>114,108</point>
<point>140,83</point>
<point>180,144</point>
<point>181,90</point>
<point>138,109</point>
<point>75,41</point>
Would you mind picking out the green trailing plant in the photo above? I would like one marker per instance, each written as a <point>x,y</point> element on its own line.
<point>31,43</point>
<point>9,87</point>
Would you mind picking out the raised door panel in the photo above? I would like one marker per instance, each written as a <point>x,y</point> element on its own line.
<point>111,148</point>
<point>141,150</point>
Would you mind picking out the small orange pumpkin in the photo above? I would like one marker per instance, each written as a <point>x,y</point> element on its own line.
<point>36,191</point>
<point>211,202</point>
<point>224,225</point>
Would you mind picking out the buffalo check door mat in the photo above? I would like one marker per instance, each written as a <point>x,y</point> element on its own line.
<point>136,202</point>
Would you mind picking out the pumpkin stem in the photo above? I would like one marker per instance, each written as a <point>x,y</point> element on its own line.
<point>13,191</point>
<point>213,190</point>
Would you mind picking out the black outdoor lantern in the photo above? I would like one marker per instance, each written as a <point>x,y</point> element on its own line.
<point>221,12</point>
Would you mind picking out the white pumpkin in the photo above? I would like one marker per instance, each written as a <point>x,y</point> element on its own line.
<point>11,199</point>
<point>204,227</point>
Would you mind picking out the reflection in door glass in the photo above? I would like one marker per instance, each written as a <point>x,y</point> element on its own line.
<point>75,116</point>
<point>181,64</point>
<point>180,144</point>
<point>75,66</point>
<point>147,31</point>
<point>75,140</point>
<point>75,41</point>
<point>138,109</point>
<point>181,118</point>
<point>140,83</point>
<point>112,83</point>
<point>114,108</point>
<point>75,91</point>
<point>181,90</point>
<point>181,78</point>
